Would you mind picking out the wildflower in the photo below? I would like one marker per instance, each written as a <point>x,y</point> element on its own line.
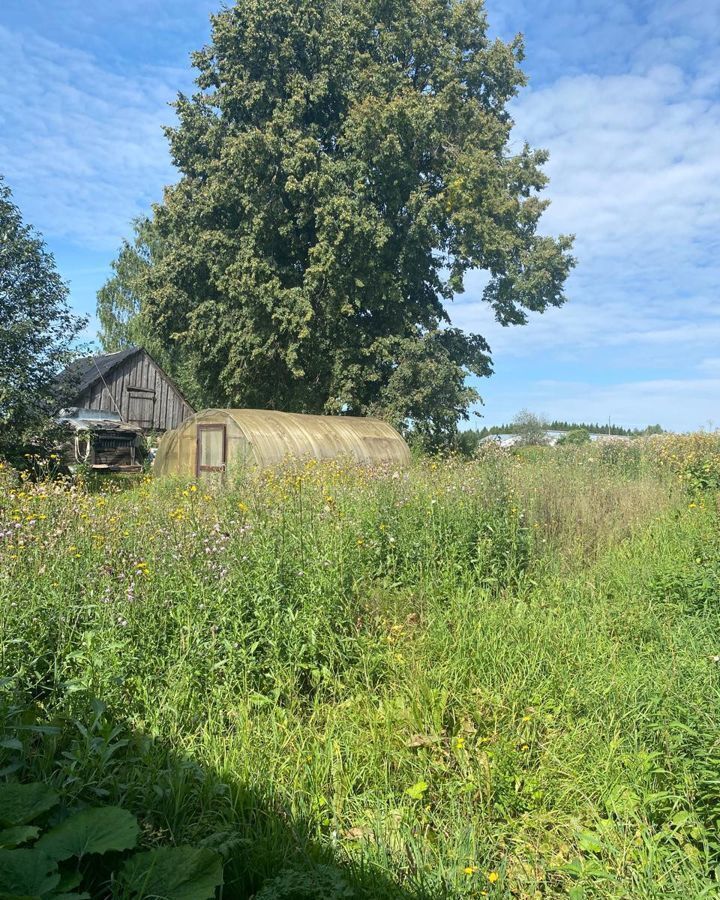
<point>470,870</point>
<point>492,877</point>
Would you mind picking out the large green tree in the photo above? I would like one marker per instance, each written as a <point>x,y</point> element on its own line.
<point>37,329</point>
<point>344,164</point>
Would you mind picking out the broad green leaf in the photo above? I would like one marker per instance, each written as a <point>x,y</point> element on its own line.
<point>681,818</point>
<point>586,868</point>
<point>11,837</point>
<point>21,803</point>
<point>94,830</point>
<point>590,842</point>
<point>83,896</point>
<point>28,873</point>
<point>173,873</point>
<point>68,882</point>
<point>417,791</point>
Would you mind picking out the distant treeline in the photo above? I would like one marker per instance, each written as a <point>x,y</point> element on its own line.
<point>593,428</point>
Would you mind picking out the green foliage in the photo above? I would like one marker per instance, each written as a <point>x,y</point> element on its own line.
<point>531,429</point>
<point>27,873</point>
<point>175,873</point>
<point>496,676</point>
<point>37,330</point>
<point>344,164</point>
<point>122,307</point>
<point>622,457</point>
<point>90,831</point>
<point>596,428</point>
<point>576,437</point>
<point>21,803</point>
<point>322,883</point>
<point>120,300</point>
<point>20,834</point>
<point>467,442</point>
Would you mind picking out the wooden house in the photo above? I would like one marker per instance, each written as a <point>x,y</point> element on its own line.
<point>129,384</point>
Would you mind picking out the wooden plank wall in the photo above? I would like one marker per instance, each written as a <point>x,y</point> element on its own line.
<point>139,371</point>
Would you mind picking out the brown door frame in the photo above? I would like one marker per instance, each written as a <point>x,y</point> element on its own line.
<point>198,448</point>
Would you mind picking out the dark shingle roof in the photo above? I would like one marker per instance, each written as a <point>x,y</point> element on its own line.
<point>78,376</point>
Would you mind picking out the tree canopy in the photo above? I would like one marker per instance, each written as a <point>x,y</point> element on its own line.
<point>344,163</point>
<point>531,428</point>
<point>575,437</point>
<point>37,328</point>
<point>119,300</point>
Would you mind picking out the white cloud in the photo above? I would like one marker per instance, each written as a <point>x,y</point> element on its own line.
<point>627,100</point>
<point>81,147</point>
<point>635,173</point>
<point>710,366</point>
<point>692,402</point>
<point>626,96</point>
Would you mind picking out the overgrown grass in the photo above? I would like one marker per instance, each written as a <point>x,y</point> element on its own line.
<point>492,678</point>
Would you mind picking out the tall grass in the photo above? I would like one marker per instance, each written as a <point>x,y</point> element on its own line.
<point>495,678</point>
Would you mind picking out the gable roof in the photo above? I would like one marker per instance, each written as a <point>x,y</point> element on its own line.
<point>79,375</point>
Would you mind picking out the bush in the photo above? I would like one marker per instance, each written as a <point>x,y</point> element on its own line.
<point>575,437</point>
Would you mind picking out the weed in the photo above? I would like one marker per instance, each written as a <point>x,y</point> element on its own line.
<point>493,678</point>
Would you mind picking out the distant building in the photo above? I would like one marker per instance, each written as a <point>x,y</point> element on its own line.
<point>502,440</point>
<point>506,441</point>
<point>128,384</point>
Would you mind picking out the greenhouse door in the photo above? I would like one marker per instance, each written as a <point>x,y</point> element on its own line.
<point>211,449</point>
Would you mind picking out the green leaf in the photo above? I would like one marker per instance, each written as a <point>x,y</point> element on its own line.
<point>21,803</point>
<point>586,868</point>
<point>417,791</point>
<point>590,842</point>
<point>11,837</point>
<point>68,882</point>
<point>95,830</point>
<point>621,800</point>
<point>173,873</point>
<point>27,873</point>
<point>681,818</point>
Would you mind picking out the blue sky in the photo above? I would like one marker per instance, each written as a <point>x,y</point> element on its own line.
<point>626,96</point>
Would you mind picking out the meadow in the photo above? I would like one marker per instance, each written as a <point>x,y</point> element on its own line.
<point>496,678</point>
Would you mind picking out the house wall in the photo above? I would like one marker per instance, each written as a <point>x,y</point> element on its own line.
<point>141,392</point>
